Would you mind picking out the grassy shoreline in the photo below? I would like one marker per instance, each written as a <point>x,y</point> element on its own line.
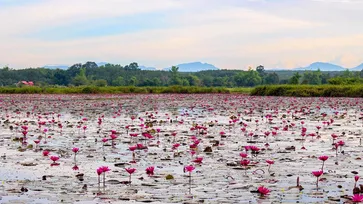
<point>309,90</point>
<point>266,90</point>
<point>121,90</point>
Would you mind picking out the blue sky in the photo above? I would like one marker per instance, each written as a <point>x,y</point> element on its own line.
<point>231,34</point>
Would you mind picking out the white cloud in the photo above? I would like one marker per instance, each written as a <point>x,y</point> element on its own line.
<point>61,12</point>
<point>225,35</point>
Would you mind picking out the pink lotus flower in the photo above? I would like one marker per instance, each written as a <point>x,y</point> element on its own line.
<point>189,168</point>
<point>198,160</point>
<point>130,170</point>
<point>323,158</point>
<point>243,155</point>
<point>140,146</point>
<point>317,174</point>
<point>334,136</point>
<point>356,178</point>
<point>75,149</point>
<point>105,169</point>
<point>54,158</point>
<point>341,143</point>
<point>104,140</point>
<point>270,162</point>
<point>357,198</point>
<point>113,137</point>
<point>175,146</point>
<point>75,167</point>
<point>263,190</point>
<point>193,146</point>
<point>150,171</point>
<point>133,134</point>
<point>245,162</point>
<point>254,149</point>
<point>99,171</point>
<point>132,148</point>
<point>46,153</point>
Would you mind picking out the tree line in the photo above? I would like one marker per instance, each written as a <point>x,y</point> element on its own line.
<point>90,73</point>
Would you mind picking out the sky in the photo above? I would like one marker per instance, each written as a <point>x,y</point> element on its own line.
<point>230,34</point>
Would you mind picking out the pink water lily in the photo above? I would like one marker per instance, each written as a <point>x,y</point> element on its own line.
<point>357,198</point>
<point>317,174</point>
<point>130,171</point>
<point>263,190</point>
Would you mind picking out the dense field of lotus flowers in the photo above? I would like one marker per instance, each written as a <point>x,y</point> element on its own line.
<point>180,148</point>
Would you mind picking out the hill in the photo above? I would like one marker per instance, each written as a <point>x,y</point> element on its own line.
<point>194,67</point>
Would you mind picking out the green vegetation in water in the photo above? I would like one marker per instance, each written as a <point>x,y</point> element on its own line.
<point>309,90</point>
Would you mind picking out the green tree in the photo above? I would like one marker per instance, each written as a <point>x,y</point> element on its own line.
<point>261,71</point>
<point>207,80</point>
<point>100,82</point>
<point>240,79</point>
<point>119,81</point>
<point>133,81</point>
<point>175,79</point>
<point>272,78</point>
<point>194,80</point>
<point>132,66</point>
<point>295,79</point>
<point>60,77</point>
<point>347,74</point>
<point>312,77</point>
<point>156,81</point>
<point>185,82</point>
<point>253,78</point>
<point>80,79</point>
<point>90,65</point>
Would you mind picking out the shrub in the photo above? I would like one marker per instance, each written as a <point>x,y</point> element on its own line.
<point>309,90</point>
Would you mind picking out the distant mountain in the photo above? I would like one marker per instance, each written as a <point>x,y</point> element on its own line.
<point>56,66</point>
<point>194,67</point>
<point>358,68</point>
<point>147,68</point>
<point>323,66</point>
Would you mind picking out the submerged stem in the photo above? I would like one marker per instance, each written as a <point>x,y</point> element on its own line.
<point>322,167</point>
<point>104,180</point>
<point>190,182</point>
